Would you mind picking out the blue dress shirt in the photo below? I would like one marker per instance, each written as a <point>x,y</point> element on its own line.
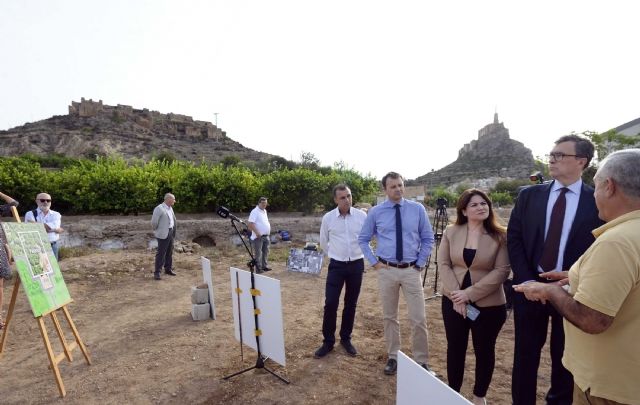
<point>417,234</point>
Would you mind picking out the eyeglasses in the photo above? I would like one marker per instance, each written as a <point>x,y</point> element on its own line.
<point>44,201</point>
<point>558,156</point>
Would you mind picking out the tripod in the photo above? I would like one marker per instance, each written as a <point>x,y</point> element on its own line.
<point>252,263</point>
<point>440,222</point>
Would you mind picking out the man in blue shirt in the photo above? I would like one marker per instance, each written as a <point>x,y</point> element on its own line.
<point>404,241</point>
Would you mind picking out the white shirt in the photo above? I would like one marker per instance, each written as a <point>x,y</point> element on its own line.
<point>573,198</point>
<point>170,213</point>
<point>53,219</point>
<point>339,234</point>
<point>260,219</point>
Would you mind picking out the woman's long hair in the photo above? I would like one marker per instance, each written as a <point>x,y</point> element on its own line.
<point>491,224</point>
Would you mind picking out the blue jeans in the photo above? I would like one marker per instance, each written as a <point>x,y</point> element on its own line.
<point>348,274</point>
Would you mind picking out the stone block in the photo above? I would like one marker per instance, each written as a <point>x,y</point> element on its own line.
<point>199,295</point>
<point>201,312</point>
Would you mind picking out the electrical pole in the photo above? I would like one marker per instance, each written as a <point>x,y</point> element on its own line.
<point>216,114</point>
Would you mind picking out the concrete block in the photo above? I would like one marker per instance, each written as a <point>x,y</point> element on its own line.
<point>201,312</point>
<point>199,295</point>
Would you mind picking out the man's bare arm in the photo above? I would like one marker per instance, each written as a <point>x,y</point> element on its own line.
<point>586,319</point>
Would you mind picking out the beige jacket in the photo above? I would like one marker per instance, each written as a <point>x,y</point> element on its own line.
<point>490,267</point>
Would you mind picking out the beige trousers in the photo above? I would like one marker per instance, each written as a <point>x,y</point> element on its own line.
<point>584,398</point>
<point>390,281</point>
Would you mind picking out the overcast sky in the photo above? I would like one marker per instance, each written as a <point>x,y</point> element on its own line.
<point>380,85</point>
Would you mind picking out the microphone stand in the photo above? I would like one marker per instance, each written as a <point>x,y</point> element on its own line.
<point>261,359</point>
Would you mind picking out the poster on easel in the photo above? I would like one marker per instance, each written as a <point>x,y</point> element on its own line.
<point>37,267</point>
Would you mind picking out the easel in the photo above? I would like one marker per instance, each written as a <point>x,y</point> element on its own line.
<point>54,359</point>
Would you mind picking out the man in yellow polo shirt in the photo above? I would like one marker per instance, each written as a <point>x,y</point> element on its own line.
<point>602,308</point>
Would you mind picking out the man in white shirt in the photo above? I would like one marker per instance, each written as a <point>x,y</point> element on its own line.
<point>163,223</point>
<point>339,240</point>
<point>260,230</point>
<point>50,218</point>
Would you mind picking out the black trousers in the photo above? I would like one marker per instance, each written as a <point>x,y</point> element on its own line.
<point>164,254</point>
<point>531,321</point>
<point>349,275</point>
<point>484,332</point>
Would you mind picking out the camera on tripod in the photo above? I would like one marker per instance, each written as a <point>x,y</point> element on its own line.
<point>442,202</point>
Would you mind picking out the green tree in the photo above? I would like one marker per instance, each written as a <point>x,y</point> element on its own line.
<point>501,199</point>
<point>440,192</point>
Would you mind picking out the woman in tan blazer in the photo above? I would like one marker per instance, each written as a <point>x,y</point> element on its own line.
<point>473,265</point>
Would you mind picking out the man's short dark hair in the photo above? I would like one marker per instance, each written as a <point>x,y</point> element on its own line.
<point>584,147</point>
<point>262,199</point>
<point>340,187</point>
<point>391,175</point>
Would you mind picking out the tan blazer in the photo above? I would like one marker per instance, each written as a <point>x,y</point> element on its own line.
<point>490,267</point>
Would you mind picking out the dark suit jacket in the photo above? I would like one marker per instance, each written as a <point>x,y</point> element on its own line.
<point>525,234</point>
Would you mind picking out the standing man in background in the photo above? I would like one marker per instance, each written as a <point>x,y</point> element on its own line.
<point>163,223</point>
<point>339,240</point>
<point>50,218</point>
<point>404,241</point>
<point>549,229</point>
<point>260,230</point>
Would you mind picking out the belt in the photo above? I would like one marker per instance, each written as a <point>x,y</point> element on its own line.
<point>397,265</point>
<point>347,262</point>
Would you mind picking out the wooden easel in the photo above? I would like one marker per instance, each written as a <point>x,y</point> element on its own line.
<point>54,359</point>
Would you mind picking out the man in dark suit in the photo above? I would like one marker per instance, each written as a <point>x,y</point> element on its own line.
<point>549,229</point>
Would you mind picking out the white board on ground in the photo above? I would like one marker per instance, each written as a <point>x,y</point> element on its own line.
<point>270,322</point>
<point>415,385</point>
<point>208,278</point>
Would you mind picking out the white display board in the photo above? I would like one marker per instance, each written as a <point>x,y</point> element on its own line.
<point>416,386</point>
<point>208,278</point>
<point>270,321</point>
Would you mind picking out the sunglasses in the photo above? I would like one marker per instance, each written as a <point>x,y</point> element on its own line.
<point>44,201</point>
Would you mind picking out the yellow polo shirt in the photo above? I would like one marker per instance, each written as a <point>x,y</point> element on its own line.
<point>607,279</point>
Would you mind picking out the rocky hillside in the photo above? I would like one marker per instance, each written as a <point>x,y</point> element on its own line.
<point>492,155</point>
<point>93,128</point>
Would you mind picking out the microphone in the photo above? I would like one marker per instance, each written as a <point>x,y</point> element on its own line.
<point>225,213</point>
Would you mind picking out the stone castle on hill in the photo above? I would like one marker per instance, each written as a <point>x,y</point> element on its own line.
<point>93,128</point>
<point>494,155</point>
<point>172,124</point>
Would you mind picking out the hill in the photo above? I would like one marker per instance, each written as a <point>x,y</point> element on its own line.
<point>93,128</point>
<point>493,155</point>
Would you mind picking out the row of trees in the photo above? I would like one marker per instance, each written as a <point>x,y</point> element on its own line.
<point>115,186</point>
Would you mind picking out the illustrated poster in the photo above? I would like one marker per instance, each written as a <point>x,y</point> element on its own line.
<point>37,266</point>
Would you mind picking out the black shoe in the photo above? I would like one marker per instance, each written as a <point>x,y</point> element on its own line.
<point>433,373</point>
<point>391,367</point>
<point>170,272</point>
<point>351,351</point>
<point>322,351</point>
<point>156,276</point>
<point>267,269</point>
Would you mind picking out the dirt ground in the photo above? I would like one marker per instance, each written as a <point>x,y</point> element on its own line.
<point>146,349</point>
